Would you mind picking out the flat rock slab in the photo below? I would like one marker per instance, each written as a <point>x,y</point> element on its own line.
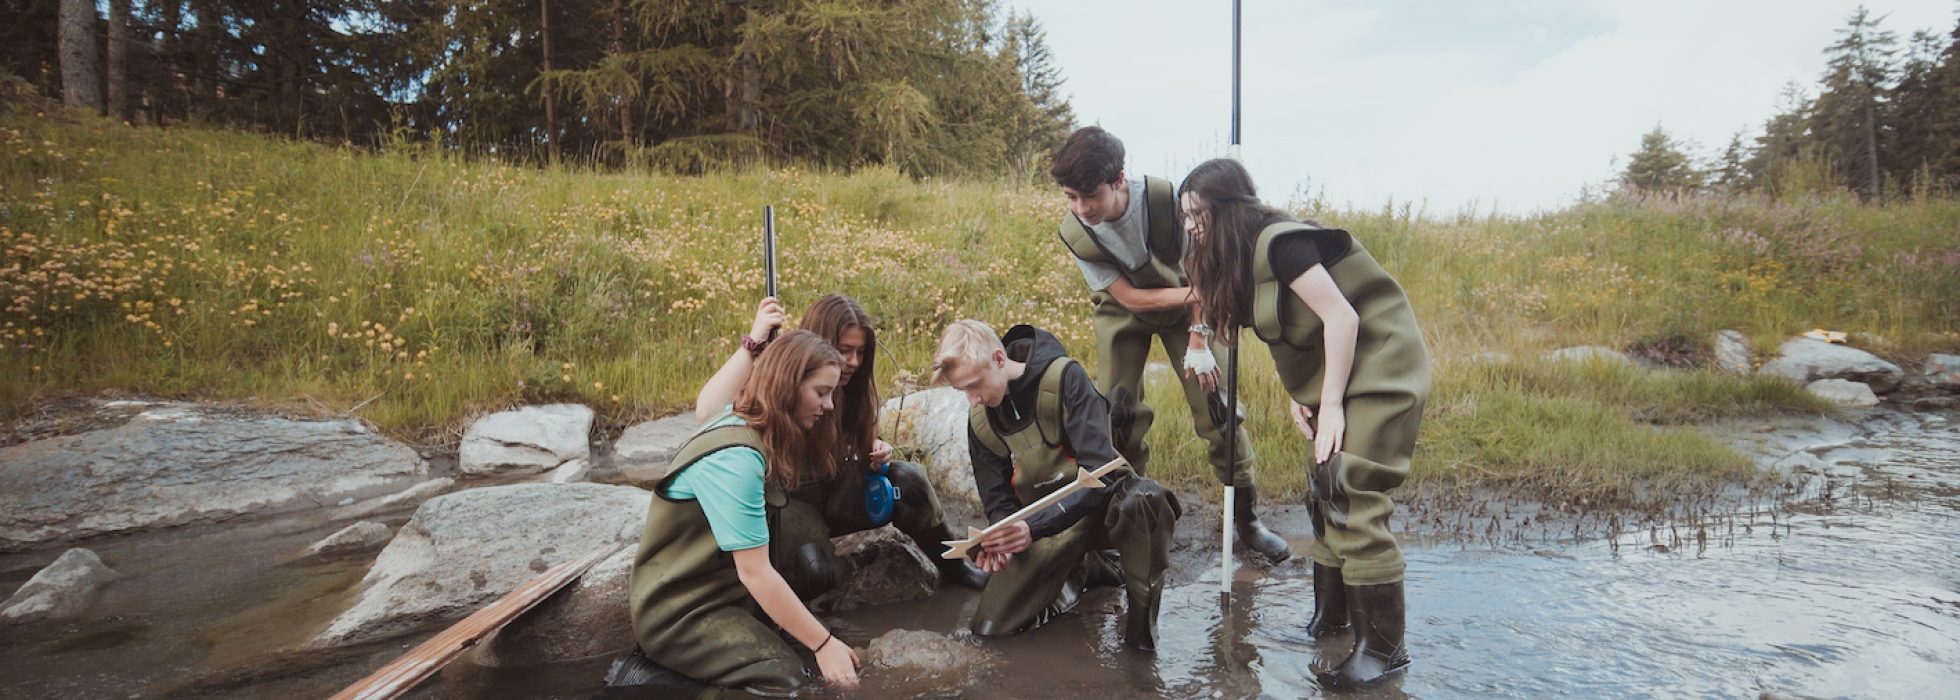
<point>530,440</point>
<point>463,550</point>
<point>1732,352</point>
<point>180,465</point>
<point>61,590</point>
<point>1843,392</point>
<point>1805,360</point>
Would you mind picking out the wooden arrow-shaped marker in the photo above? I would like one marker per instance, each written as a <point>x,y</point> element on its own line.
<point>1084,479</point>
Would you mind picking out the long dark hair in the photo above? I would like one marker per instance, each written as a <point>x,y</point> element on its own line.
<point>857,411</point>
<point>768,401</point>
<point>1220,265</point>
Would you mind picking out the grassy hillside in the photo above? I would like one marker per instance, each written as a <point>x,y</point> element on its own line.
<point>419,290</point>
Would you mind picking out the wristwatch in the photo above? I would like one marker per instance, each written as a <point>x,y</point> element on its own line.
<point>1201,329</point>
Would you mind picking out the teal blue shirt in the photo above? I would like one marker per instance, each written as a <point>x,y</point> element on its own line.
<point>728,485</point>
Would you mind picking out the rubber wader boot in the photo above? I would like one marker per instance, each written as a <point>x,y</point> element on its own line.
<point>1377,615</point>
<point>1330,609</point>
<point>955,571</point>
<point>1105,568</point>
<point>1140,617</point>
<point>1251,532</point>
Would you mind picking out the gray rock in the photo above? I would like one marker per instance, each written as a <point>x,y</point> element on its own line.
<point>178,465</point>
<point>412,496</point>
<point>934,422</point>
<point>574,472</point>
<point>532,439</point>
<point>1589,353</point>
<point>1843,392</point>
<point>884,568</point>
<point>1942,372</point>
<point>358,537</point>
<point>1491,357</point>
<point>1732,352</point>
<point>587,619</point>
<point>923,653</point>
<point>62,590</point>
<point>652,444</point>
<point>462,550</point>
<point>1805,360</point>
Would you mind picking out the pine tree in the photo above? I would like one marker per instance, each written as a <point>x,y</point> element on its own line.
<point>1848,107</point>
<point>1661,165</point>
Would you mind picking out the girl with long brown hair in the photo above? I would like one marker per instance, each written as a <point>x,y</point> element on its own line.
<point>703,583</point>
<point>836,504</point>
<point>1346,346</point>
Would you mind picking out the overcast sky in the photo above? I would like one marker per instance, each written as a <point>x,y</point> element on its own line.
<point>1512,105</point>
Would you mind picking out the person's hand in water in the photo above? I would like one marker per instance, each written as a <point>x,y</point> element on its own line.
<point>839,664</point>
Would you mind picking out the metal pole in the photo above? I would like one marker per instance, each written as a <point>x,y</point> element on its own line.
<point>769,255</point>
<point>1232,392</point>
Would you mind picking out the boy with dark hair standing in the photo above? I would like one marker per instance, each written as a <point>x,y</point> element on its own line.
<point>1124,235</point>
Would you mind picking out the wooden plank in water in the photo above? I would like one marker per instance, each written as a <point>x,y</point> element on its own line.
<point>402,674</point>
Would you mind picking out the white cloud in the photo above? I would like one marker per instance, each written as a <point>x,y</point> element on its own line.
<point>1517,105</point>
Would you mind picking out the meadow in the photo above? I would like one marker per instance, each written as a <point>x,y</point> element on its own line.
<point>417,290</point>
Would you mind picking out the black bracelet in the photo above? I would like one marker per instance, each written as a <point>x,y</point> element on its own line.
<point>826,642</point>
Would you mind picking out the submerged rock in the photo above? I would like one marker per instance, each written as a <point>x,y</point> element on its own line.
<point>463,550</point>
<point>358,537</point>
<point>587,619</point>
<point>180,465</point>
<point>531,439</point>
<point>61,590</point>
<point>918,652</point>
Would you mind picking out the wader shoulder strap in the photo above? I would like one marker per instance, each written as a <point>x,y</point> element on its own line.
<point>1081,242</point>
<point>707,442</point>
<point>1048,404</point>
<point>1268,294</point>
<point>1160,205</point>
<point>983,430</point>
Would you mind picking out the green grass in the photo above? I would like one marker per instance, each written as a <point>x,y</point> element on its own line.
<point>420,290</point>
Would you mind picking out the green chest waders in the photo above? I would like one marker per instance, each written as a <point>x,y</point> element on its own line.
<point>1384,398</point>
<point>1046,579</point>
<point>1123,338</point>
<point>691,612</point>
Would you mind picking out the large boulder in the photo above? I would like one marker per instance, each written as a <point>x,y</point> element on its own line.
<point>463,550</point>
<point>587,619</point>
<point>62,590</point>
<point>528,440</point>
<point>179,465</point>
<point>1805,360</point>
<point>883,567</point>
<point>933,422</point>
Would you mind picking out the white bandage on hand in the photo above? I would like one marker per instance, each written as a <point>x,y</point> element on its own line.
<point>1200,360</point>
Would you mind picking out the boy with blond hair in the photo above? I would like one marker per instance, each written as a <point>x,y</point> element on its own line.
<point>1035,415</point>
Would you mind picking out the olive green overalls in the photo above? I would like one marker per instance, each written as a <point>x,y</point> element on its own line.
<point>691,612</point>
<point>834,507</point>
<point>1123,337</point>
<point>1137,519</point>
<point>1385,394</point>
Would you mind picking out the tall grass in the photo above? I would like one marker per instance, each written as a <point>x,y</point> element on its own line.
<point>420,290</point>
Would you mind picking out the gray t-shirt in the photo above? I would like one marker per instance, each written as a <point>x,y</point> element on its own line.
<point>1126,238</point>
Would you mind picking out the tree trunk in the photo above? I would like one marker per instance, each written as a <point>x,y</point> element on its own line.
<point>1871,143</point>
<point>625,102</point>
<point>81,62</point>
<point>119,59</point>
<point>205,51</point>
<point>550,102</point>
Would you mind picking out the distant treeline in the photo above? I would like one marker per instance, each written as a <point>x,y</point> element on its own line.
<point>926,86</point>
<point>1883,121</point>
